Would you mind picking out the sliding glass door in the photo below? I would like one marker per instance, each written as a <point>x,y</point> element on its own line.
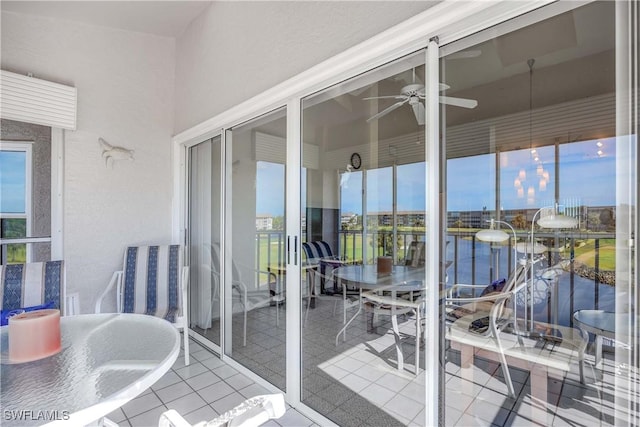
<point>542,162</point>
<point>205,173</point>
<point>255,291</point>
<point>486,224</point>
<point>363,206</point>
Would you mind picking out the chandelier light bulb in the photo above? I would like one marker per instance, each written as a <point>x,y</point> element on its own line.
<point>522,175</point>
<point>600,153</point>
<point>539,170</point>
<point>517,183</point>
<point>520,193</point>
<point>545,175</point>
<point>543,185</point>
<point>599,143</point>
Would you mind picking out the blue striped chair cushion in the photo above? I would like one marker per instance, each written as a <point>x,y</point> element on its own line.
<point>31,284</point>
<point>151,282</point>
<point>321,249</point>
<point>317,249</point>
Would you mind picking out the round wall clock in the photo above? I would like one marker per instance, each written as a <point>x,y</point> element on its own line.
<point>356,161</point>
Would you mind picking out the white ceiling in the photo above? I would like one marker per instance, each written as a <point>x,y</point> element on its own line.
<point>163,18</point>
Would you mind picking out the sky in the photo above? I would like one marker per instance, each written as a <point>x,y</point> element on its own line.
<point>586,178</point>
<point>12,181</point>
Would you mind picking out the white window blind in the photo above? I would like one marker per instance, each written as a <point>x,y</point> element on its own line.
<point>31,100</point>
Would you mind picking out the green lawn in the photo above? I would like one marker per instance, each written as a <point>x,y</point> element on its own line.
<point>15,228</point>
<point>587,255</point>
<point>584,254</point>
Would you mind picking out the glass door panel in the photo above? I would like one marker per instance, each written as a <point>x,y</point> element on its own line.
<point>363,197</point>
<point>204,238</point>
<point>538,160</point>
<point>255,309</point>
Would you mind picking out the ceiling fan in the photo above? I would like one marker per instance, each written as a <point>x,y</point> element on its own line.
<point>412,94</point>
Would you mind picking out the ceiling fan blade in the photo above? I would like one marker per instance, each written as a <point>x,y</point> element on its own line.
<point>388,110</point>
<point>384,97</point>
<point>459,102</point>
<point>418,111</point>
<point>443,86</point>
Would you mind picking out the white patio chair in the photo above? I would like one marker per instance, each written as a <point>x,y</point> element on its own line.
<point>381,303</point>
<point>315,278</point>
<point>36,284</point>
<point>153,281</point>
<point>250,413</point>
<point>488,323</point>
<point>249,297</point>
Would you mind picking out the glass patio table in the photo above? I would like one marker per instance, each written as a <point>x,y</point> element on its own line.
<point>603,324</point>
<point>401,279</point>
<point>106,360</point>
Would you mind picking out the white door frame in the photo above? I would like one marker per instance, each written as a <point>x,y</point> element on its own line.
<point>450,21</point>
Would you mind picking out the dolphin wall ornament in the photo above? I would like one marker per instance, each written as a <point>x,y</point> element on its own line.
<point>114,153</point>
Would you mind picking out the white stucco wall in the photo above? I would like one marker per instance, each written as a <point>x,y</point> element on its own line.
<point>125,95</point>
<point>236,50</point>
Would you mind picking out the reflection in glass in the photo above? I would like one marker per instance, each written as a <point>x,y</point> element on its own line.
<point>546,145</point>
<point>254,307</point>
<point>359,219</point>
<point>204,238</point>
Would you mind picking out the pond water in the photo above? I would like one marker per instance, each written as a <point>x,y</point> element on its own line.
<point>574,292</point>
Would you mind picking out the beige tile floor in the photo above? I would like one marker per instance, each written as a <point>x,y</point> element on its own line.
<point>357,382</point>
<point>199,392</point>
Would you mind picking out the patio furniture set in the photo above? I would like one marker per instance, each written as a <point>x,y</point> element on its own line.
<point>108,359</point>
<point>105,359</point>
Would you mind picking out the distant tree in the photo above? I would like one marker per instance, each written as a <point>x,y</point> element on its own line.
<point>278,223</point>
<point>458,224</point>
<point>593,221</point>
<point>385,242</point>
<point>519,222</point>
<point>608,219</point>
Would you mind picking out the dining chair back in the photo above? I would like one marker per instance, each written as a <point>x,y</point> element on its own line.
<point>415,256</point>
<point>154,281</point>
<point>34,284</point>
<point>317,249</point>
<point>320,252</point>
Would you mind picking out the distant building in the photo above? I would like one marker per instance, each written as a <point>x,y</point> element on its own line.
<point>264,222</point>
<point>593,218</point>
<point>347,217</point>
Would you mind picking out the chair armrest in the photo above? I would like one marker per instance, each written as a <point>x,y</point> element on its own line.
<point>115,279</point>
<point>185,294</point>
<point>395,302</point>
<point>172,418</point>
<point>253,412</point>
<point>454,289</point>
<point>491,298</point>
<point>72,304</point>
<point>270,275</point>
<point>185,278</point>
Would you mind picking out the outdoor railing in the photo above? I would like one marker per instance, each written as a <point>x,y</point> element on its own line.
<point>270,247</point>
<point>468,259</point>
<point>21,249</point>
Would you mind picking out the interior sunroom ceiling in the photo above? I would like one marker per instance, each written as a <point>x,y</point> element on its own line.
<point>568,74</point>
